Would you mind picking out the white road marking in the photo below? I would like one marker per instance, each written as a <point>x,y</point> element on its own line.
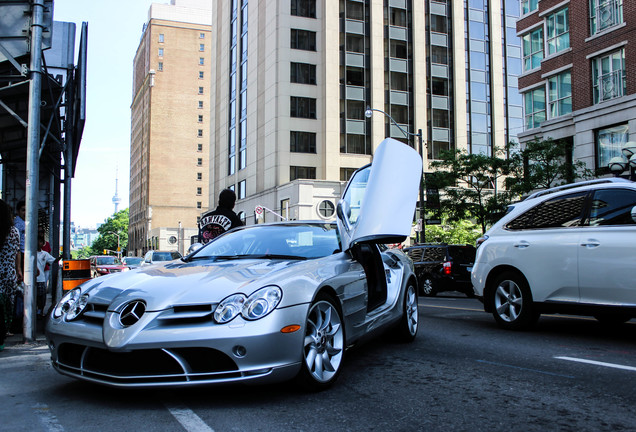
<point>598,363</point>
<point>48,420</point>
<point>188,419</point>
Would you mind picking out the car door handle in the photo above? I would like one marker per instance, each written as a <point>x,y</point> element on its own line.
<point>591,243</point>
<point>522,244</point>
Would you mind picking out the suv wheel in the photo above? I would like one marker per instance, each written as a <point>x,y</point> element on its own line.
<point>427,287</point>
<point>511,302</point>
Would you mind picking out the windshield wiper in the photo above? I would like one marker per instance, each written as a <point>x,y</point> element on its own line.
<point>258,256</point>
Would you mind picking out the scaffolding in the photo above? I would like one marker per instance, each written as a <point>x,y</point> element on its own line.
<point>42,115</point>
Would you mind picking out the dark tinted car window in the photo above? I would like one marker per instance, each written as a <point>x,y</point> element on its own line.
<point>560,212</point>
<point>612,207</point>
<point>462,254</point>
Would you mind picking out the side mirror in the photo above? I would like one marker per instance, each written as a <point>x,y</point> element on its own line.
<point>194,247</point>
<point>634,214</point>
<point>344,213</point>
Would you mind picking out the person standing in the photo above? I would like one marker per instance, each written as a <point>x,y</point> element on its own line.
<point>223,219</point>
<point>44,259</point>
<point>10,268</point>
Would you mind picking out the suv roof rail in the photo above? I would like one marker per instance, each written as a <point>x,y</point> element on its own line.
<point>578,184</point>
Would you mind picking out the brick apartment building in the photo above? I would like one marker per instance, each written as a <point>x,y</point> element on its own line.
<point>578,77</point>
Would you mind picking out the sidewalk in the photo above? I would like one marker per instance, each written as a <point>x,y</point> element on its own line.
<point>18,339</point>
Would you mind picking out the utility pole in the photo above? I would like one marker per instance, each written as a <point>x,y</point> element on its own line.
<point>32,170</point>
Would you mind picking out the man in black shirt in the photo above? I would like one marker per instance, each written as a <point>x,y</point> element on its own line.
<point>215,223</point>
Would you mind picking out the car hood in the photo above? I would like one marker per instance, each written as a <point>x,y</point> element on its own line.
<point>180,283</point>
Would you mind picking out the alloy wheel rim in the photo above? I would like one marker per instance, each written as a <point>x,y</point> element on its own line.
<point>324,342</point>
<point>508,301</point>
<point>411,309</point>
<point>427,286</point>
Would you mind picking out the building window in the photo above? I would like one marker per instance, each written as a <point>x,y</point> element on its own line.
<point>354,11</point>
<point>303,8</point>
<point>200,119</point>
<point>201,47</point>
<point>241,190</point>
<point>199,161</point>
<point>300,172</point>
<point>605,14</point>
<point>608,76</point>
<point>397,17</point>
<point>534,107</point>
<point>199,133</point>
<point>200,104</point>
<point>201,74</point>
<point>399,81</point>
<point>303,40</point>
<point>160,66</point>
<point>199,176</point>
<point>609,142</point>
<point>326,209</point>
<point>161,38</point>
<point>346,173</point>
<point>354,43</point>
<point>302,107</point>
<point>560,94</point>
<point>160,52</point>
<point>558,31</point>
<point>201,61</point>
<point>354,144</point>
<point>200,90</point>
<point>302,73</point>
<point>201,35</point>
<point>302,142</point>
<point>199,205</point>
<point>199,191</point>
<point>199,147</point>
<point>528,6</point>
<point>355,76</point>
<point>532,49</point>
<point>284,208</point>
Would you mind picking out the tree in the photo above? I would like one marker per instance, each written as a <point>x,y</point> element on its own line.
<point>469,183</point>
<point>458,232</point>
<point>546,163</point>
<point>115,225</point>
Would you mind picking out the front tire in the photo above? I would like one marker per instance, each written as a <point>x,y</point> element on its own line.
<point>324,344</point>
<point>511,302</point>
<point>406,329</point>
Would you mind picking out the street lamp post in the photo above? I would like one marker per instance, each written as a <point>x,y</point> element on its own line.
<point>368,113</point>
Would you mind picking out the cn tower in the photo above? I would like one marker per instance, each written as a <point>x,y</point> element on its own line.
<point>116,199</point>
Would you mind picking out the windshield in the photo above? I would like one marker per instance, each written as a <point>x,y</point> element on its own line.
<point>165,256</point>
<point>110,260</point>
<point>133,260</point>
<point>288,241</point>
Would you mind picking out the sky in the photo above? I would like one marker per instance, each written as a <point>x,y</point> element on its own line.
<point>114,31</point>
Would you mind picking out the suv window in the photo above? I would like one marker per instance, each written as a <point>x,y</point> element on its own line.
<point>561,212</point>
<point>612,207</point>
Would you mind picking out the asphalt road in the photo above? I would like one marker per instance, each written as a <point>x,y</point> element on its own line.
<point>462,373</point>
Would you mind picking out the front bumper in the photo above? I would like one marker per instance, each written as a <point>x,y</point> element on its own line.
<point>175,353</point>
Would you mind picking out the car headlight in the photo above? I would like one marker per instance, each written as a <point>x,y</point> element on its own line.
<point>71,305</point>
<point>261,303</point>
<point>229,308</point>
<point>256,306</point>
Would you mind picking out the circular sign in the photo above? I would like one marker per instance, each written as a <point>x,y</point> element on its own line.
<point>258,210</point>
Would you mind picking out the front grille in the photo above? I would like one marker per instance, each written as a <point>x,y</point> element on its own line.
<point>146,366</point>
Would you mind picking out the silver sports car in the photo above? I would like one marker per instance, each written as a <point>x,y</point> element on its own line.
<point>261,303</point>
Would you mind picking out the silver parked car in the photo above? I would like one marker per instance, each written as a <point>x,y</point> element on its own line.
<point>261,303</point>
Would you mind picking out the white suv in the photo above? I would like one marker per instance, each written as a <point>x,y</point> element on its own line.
<point>569,249</point>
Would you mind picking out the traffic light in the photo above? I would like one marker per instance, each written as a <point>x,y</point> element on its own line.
<point>105,251</point>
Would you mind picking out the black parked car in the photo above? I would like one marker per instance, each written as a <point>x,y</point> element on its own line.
<point>443,267</point>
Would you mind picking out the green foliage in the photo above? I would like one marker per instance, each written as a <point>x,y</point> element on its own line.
<point>108,231</point>
<point>543,163</point>
<point>469,184</point>
<point>459,232</point>
<point>84,252</point>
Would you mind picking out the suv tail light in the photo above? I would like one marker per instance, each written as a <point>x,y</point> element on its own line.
<point>447,267</point>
